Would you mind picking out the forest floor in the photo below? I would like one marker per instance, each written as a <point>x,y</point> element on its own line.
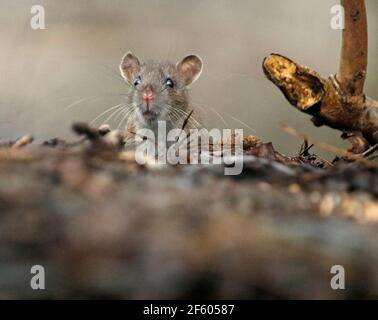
<point>103,226</point>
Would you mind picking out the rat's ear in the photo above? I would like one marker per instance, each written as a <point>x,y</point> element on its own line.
<point>189,69</point>
<point>129,67</point>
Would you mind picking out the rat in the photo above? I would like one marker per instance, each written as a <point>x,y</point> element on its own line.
<point>159,92</point>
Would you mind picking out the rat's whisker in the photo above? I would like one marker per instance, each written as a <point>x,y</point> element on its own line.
<point>107,111</point>
<point>120,114</point>
<point>174,116</point>
<point>229,115</point>
<point>77,102</point>
<point>124,110</point>
<point>130,118</point>
<point>182,113</point>
<point>118,111</point>
<point>169,111</point>
<point>244,124</point>
<point>185,114</point>
<point>104,95</point>
<point>214,111</point>
<point>220,116</point>
<point>81,100</point>
<point>113,73</point>
<point>122,120</point>
<point>126,115</point>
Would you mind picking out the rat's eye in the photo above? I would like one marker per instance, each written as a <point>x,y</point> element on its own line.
<point>169,83</point>
<point>137,81</point>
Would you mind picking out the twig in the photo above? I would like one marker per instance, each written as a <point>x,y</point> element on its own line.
<point>305,148</point>
<point>138,135</point>
<point>370,151</point>
<point>103,136</point>
<point>329,148</point>
<point>22,142</point>
<point>186,120</point>
<point>83,129</point>
<point>184,124</point>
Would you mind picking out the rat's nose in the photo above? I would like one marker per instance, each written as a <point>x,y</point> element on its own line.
<point>148,95</point>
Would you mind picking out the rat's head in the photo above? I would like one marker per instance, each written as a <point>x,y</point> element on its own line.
<point>158,87</point>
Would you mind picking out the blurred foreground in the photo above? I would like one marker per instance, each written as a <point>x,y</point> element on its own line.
<point>105,227</point>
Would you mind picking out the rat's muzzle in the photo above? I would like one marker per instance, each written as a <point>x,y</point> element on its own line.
<point>148,96</point>
<point>148,102</point>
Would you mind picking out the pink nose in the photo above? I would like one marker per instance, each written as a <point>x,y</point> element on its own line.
<point>148,96</point>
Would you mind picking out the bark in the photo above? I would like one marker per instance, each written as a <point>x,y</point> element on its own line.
<point>354,52</point>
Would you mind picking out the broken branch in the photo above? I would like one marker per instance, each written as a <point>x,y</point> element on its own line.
<point>336,101</point>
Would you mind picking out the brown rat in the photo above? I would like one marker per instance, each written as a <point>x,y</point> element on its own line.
<point>159,92</point>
